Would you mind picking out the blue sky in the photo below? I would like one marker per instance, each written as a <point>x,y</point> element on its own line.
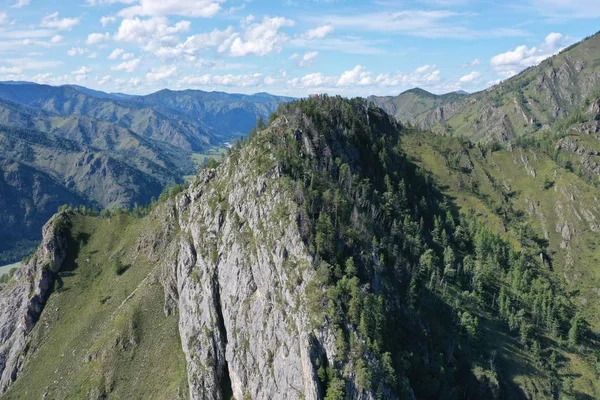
<point>288,47</point>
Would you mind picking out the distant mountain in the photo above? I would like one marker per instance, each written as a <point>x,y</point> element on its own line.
<point>407,106</point>
<point>86,147</point>
<point>234,114</point>
<point>100,94</point>
<point>530,102</point>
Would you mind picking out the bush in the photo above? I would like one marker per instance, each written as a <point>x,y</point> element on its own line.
<point>7,277</point>
<point>119,267</point>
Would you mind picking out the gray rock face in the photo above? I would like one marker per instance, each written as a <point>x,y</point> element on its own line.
<point>242,321</point>
<point>22,300</point>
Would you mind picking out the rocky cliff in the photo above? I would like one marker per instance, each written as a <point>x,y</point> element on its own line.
<point>243,326</point>
<point>22,299</point>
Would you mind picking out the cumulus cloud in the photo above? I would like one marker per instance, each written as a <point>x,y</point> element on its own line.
<point>255,38</point>
<point>128,66</point>
<point>356,77</point>
<point>361,76</point>
<point>97,38</point>
<point>55,22</point>
<point>308,59</point>
<point>318,33</point>
<point>220,40</point>
<point>54,40</point>
<point>11,73</point>
<point>77,51</point>
<point>470,77</point>
<point>151,34</point>
<point>513,61</point>
<point>186,8</point>
<point>243,80</point>
<point>159,74</point>
<point>21,3</point>
<point>82,71</point>
<point>116,53</point>
<point>471,64</point>
<point>106,20</point>
<point>104,80</point>
<point>261,38</point>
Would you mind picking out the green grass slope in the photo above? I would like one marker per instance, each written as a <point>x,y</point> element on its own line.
<point>105,335</point>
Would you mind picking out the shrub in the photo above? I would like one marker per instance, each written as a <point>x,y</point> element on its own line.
<point>119,267</point>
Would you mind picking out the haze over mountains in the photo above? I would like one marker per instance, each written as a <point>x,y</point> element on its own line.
<point>77,146</point>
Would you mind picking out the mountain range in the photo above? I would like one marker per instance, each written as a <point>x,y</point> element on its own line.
<point>77,146</point>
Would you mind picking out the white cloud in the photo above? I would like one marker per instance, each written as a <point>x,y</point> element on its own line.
<point>128,66</point>
<point>21,3</point>
<point>10,70</point>
<point>127,56</point>
<point>255,38</point>
<point>360,76</point>
<point>308,59</point>
<point>56,39</point>
<point>3,18</point>
<point>82,71</point>
<point>355,77</point>
<point>244,80</point>
<point>221,40</point>
<point>159,74</point>
<point>512,62</point>
<point>318,33</point>
<point>116,53</point>
<point>97,38</point>
<point>261,38</point>
<point>151,34</point>
<point>106,20</point>
<point>470,77</point>
<point>186,8</point>
<point>11,74</point>
<point>77,51</point>
<point>553,39</point>
<point>313,80</point>
<point>63,24</point>
<point>423,69</point>
<point>104,80</point>
<point>93,55</point>
<point>471,64</point>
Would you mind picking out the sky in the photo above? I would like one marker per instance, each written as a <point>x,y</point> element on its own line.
<point>286,47</point>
